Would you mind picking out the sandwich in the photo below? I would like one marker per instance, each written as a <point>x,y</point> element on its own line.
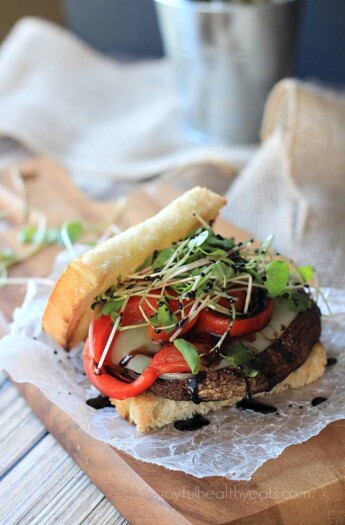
<point>178,320</point>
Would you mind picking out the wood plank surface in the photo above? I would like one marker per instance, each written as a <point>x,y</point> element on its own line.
<point>306,484</point>
<point>19,462</point>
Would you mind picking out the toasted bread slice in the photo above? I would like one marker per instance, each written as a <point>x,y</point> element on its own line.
<point>148,411</point>
<point>67,314</point>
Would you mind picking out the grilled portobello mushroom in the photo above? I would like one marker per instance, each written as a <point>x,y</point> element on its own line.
<point>282,357</point>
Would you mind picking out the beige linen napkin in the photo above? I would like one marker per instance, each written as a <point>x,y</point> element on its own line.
<point>295,185</point>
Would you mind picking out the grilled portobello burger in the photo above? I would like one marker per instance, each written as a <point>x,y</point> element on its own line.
<point>185,321</point>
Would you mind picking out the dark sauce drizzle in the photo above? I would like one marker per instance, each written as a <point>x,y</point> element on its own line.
<point>318,400</point>
<point>193,385</point>
<point>256,406</point>
<point>140,351</point>
<point>249,404</point>
<point>99,402</point>
<point>194,423</point>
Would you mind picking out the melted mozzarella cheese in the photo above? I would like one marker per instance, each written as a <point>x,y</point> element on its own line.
<point>281,318</point>
<point>130,340</point>
<point>138,363</point>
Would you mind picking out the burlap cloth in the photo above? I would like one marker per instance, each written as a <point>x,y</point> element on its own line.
<point>294,186</point>
<point>106,121</point>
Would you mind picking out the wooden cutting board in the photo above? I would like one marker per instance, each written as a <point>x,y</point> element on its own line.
<point>305,485</point>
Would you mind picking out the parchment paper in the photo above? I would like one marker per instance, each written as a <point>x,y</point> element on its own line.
<point>235,443</point>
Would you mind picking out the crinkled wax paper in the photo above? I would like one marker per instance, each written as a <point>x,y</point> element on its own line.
<point>235,443</point>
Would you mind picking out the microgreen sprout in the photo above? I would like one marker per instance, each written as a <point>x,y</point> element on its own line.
<point>35,235</point>
<point>190,353</point>
<point>204,270</point>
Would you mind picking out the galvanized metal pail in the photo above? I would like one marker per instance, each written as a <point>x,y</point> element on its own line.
<point>226,58</point>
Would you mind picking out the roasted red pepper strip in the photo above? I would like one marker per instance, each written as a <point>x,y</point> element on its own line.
<point>132,314</point>
<point>168,359</point>
<point>100,334</point>
<point>216,323</point>
<point>111,386</point>
<point>162,337</point>
<point>240,297</point>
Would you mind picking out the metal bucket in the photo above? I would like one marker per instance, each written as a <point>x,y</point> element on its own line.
<point>226,59</point>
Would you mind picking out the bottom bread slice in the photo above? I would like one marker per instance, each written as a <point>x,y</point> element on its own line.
<point>148,411</point>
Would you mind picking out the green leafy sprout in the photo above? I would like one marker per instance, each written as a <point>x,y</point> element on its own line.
<point>240,357</point>
<point>36,237</point>
<point>69,232</point>
<point>190,353</point>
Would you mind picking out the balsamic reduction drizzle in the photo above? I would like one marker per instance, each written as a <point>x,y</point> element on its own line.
<point>194,423</point>
<point>99,402</point>
<point>193,385</point>
<point>318,400</point>
<point>139,351</point>
<point>248,391</point>
<point>125,360</point>
<point>249,404</point>
<point>255,406</point>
